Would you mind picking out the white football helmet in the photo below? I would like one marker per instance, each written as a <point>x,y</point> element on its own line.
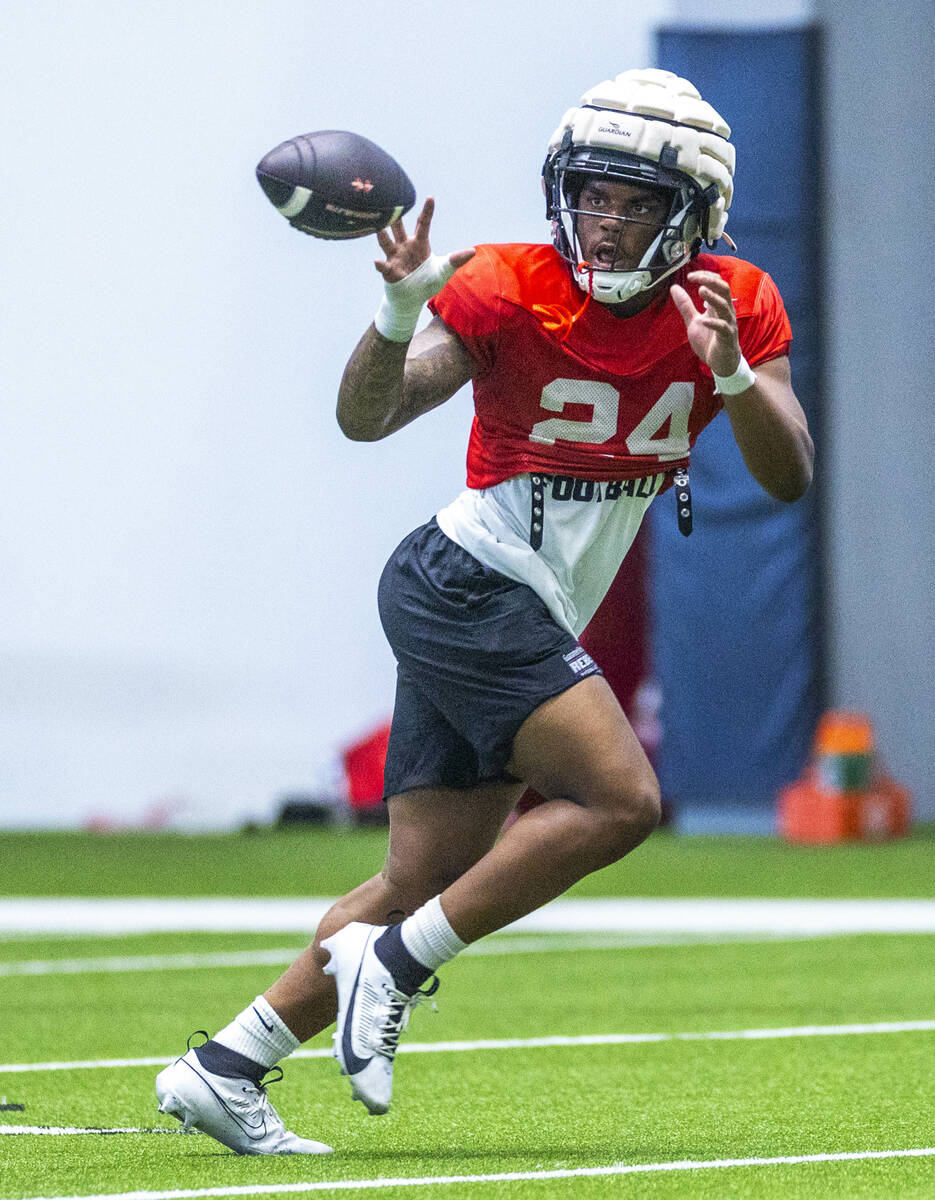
<point>649,127</point>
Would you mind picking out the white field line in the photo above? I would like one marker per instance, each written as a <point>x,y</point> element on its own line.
<point>697,915</point>
<point>149,962</point>
<point>517,944</point>
<point>348,1185</point>
<point>93,1064</point>
<point>64,1130</point>
<point>597,1039</point>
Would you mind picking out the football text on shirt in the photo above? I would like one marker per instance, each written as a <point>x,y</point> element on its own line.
<point>569,487</point>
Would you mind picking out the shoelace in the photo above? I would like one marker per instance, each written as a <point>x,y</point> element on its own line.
<point>256,1092</point>
<point>399,1009</point>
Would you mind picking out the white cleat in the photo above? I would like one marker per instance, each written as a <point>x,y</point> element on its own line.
<point>235,1112</point>
<point>372,1013</point>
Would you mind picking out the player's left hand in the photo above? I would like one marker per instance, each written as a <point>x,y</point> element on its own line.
<point>712,331</point>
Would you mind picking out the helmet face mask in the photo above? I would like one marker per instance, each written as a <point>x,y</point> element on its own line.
<point>649,129</point>
<point>677,237</point>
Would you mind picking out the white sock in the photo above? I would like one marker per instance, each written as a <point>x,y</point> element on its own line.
<point>259,1033</point>
<point>428,937</point>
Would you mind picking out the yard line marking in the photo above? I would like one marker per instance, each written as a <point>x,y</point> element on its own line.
<point>596,1039</point>
<point>628,1039</point>
<point>538,943</point>
<point>150,962</point>
<point>90,1064</point>
<point>259,914</point>
<point>515,944</point>
<point>59,1130</point>
<point>347,1185</point>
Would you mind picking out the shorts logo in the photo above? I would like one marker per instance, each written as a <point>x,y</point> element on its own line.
<point>580,662</point>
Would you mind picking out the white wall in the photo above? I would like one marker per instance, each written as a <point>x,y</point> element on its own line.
<point>189,550</point>
<point>881,345</point>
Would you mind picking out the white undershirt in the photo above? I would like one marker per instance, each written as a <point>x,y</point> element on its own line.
<point>586,534</point>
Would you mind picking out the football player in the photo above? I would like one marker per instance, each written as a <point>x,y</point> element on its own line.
<point>595,360</point>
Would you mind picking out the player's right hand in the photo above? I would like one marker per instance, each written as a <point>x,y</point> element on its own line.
<point>404,254</point>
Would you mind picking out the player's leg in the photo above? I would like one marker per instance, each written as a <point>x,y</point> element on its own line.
<point>375,976</point>
<point>485,653</point>
<point>579,751</point>
<point>217,1087</point>
<point>435,835</point>
<point>602,800</point>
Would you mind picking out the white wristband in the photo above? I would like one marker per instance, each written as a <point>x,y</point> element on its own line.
<point>743,378</point>
<point>402,301</point>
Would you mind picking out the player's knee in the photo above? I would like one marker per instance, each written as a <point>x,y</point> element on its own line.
<point>648,808</point>
<point>412,884</point>
<point>631,818</point>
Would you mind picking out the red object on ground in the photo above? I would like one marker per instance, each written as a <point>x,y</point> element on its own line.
<point>809,813</point>
<point>842,796</point>
<point>364,761</point>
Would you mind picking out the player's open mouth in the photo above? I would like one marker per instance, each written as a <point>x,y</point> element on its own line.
<point>604,258</point>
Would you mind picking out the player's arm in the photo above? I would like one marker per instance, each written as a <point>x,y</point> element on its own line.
<point>393,377</point>
<point>768,423</point>
<point>770,428</point>
<point>388,384</point>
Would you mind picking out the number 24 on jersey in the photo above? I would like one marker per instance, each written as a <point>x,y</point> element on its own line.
<point>673,408</point>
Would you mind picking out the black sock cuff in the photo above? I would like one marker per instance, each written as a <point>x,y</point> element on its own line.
<point>408,973</point>
<point>221,1060</point>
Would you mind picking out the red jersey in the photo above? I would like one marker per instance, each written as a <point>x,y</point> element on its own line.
<point>599,397</point>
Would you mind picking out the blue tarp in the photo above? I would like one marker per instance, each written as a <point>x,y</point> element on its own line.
<point>736,626</point>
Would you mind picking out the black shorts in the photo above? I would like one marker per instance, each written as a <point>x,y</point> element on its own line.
<point>477,653</point>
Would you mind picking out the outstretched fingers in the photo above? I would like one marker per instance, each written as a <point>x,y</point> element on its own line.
<point>683,302</point>
<point>712,329</point>
<point>404,253</point>
<point>710,279</point>
<point>386,242</point>
<point>716,305</point>
<point>714,291</point>
<point>424,220</point>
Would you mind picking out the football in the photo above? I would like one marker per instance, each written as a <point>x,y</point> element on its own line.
<point>333,184</point>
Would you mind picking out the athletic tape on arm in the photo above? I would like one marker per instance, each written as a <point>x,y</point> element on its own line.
<point>402,302</point>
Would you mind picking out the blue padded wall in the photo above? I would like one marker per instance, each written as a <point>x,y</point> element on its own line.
<point>736,608</point>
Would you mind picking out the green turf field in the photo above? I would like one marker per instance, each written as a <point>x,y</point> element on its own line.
<point>550,1118</point>
<point>300,862</point>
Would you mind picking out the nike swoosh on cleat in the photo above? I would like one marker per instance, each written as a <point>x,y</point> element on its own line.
<point>255,1132</point>
<point>352,1063</point>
